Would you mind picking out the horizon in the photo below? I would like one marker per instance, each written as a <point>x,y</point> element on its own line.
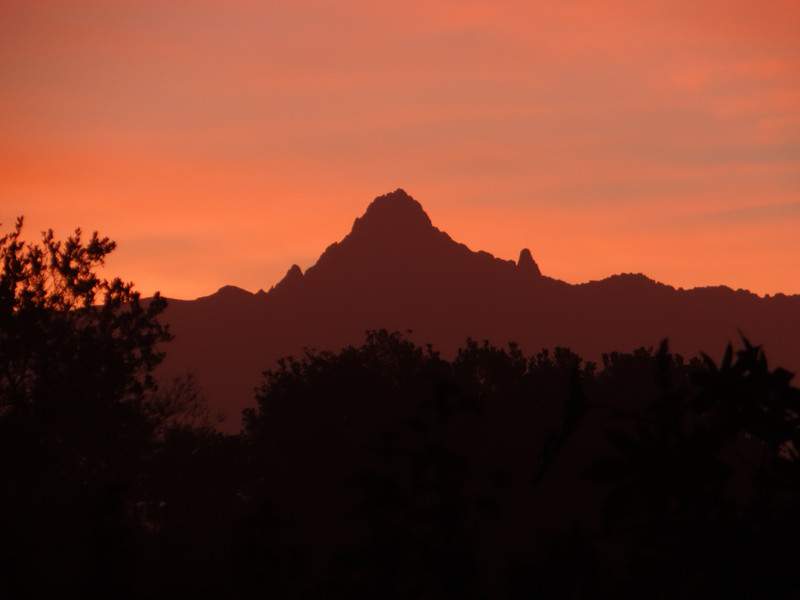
<point>434,225</point>
<point>219,147</point>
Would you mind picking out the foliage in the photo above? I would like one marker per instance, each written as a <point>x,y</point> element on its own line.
<point>77,357</point>
<point>378,470</point>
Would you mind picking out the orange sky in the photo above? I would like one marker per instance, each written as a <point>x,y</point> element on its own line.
<point>220,142</point>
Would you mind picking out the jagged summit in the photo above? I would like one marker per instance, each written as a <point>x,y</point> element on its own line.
<point>293,273</point>
<point>291,280</point>
<point>393,213</point>
<point>526,265</point>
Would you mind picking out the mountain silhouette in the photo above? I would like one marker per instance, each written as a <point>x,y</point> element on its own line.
<point>396,270</point>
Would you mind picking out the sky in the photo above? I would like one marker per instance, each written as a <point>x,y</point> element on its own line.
<point>221,142</point>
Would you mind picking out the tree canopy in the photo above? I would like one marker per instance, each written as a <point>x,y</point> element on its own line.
<point>382,469</point>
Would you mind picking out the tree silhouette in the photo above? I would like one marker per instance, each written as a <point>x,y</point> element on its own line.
<point>77,355</point>
<point>378,470</point>
<point>703,481</point>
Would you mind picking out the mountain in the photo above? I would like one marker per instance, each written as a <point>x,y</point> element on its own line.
<point>395,270</point>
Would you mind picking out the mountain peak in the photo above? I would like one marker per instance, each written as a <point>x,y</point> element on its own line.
<point>396,211</point>
<point>290,281</point>
<point>293,273</point>
<point>227,293</point>
<point>231,291</point>
<point>526,265</point>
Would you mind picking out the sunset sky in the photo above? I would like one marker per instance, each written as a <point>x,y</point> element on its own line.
<point>220,142</point>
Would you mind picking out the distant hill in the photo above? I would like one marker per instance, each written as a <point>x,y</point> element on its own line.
<point>395,270</point>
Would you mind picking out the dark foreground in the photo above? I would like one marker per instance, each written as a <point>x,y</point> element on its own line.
<point>379,471</point>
